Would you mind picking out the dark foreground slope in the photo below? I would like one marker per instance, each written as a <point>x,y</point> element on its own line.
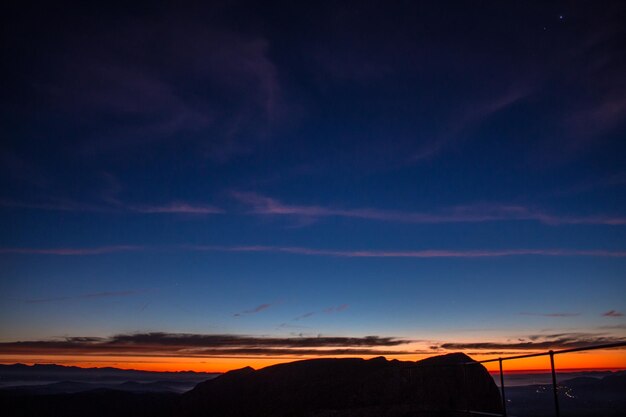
<point>97,403</point>
<point>320,388</point>
<point>346,387</point>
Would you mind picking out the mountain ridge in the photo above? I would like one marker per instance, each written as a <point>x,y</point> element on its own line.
<point>317,386</point>
<point>57,367</point>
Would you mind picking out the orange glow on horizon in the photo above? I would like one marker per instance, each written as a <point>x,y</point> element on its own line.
<point>154,364</point>
<point>595,360</point>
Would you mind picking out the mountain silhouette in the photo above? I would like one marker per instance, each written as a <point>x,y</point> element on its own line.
<point>346,387</point>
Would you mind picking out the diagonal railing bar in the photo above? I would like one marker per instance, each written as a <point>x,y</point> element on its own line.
<point>555,352</point>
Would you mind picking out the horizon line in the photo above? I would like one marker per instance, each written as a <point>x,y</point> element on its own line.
<point>494,371</point>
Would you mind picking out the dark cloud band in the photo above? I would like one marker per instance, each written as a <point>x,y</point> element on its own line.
<point>538,342</point>
<point>203,345</point>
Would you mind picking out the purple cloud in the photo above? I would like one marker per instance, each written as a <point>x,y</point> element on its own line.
<point>296,250</point>
<point>116,206</point>
<point>613,313</point>
<point>263,205</point>
<point>157,107</point>
<point>176,208</point>
<point>73,251</point>
<point>413,254</point>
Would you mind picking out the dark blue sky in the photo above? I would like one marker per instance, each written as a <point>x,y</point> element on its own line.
<point>433,172</point>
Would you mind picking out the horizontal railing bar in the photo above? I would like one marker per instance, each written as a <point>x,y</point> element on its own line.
<point>464,412</point>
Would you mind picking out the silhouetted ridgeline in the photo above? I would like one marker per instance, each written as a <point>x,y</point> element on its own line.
<point>45,372</point>
<point>315,388</point>
<point>346,387</point>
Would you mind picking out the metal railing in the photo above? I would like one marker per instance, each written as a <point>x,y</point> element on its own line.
<point>549,353</point>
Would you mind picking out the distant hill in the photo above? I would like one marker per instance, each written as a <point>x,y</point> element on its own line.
<point>57,379</point>
<point>57,373</point>
<point>578,397</point>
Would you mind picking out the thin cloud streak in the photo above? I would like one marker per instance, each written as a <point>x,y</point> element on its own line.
<point>412,254</point>
<point>72,251</point>
<point>262,205</point>
<point>102,294</point>
<point>613,313</point>
<point>550,314</point>
<point>115,206</point>
<point>296,250</point>
<point>57,205</point>
<point>255,310</point>
<point>176,208</point>
<point>328,310</point>
<point>337,309</point>
<point>304,316</point>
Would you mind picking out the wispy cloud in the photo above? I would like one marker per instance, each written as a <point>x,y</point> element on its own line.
<point>613,313</point>
<point>254,310</point>
<point>296,250</point>
<point>56,205</point>
<point>304,316</point>
<point>101,250</point>
<point>116,207</point>
<point>263,205</point>
<point>328,310</point>
<point>176,208</point>
<point>428,253</point>
<point>153,106</point>
<point>336,309</point>
<point>614,180</point>
<point>102,294</point>
<point>471,117</point>
<point>550,314</point>
<point>206,345</point>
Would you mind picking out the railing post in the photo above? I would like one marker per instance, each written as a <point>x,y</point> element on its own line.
<point>502,389</point>
<point>557,412</point>
<point>467,407</point>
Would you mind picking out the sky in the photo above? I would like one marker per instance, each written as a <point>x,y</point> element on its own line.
<point>235,183</point>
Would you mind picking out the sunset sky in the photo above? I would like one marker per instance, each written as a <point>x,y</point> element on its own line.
<point>244,183</point>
